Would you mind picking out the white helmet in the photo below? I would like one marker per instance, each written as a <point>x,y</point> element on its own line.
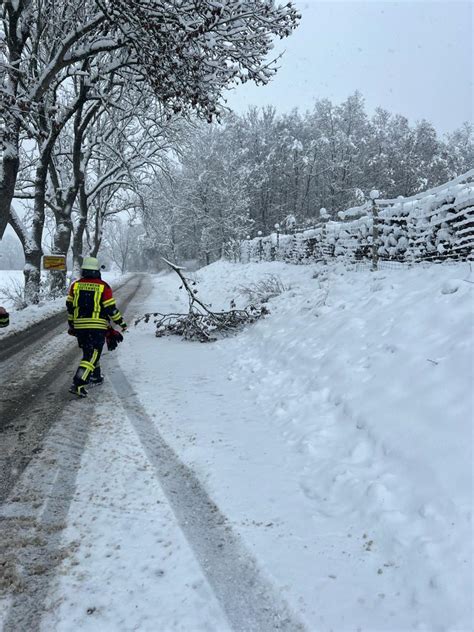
<point>90,263</point>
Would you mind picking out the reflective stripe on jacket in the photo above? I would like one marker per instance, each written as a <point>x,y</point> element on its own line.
<point>90,305</point>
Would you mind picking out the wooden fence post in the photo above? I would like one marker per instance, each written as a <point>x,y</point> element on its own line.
<point>324,216</point>
<point>374,195</point>
<point>249,249</point>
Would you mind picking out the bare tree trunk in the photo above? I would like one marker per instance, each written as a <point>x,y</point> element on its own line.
<point>32,274</point>
<point>31,269</point>
<point>97,243</point>
<point>61,243</point>
<point>64,225</point>
<point>33,250</point>
<point>11,163</point>
<point>98,232</point>
<point>78,239</point>
<point>11,125</point>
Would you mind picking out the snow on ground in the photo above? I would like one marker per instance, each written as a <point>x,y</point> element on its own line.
<point>334,435</point>
<point>11,281</point>
<point>133,569</point>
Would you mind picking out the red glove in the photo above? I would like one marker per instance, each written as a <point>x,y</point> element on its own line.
<point>112,338</point>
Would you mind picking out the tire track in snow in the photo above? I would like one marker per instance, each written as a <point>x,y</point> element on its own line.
<point>32,519</point>
<point>30,541</point>
<point>246,596</point>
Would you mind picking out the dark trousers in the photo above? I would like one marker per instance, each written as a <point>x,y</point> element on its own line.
<point>91,341</point>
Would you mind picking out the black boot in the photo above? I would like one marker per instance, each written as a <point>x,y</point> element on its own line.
<point>78,389</point>
<point>96,377</point>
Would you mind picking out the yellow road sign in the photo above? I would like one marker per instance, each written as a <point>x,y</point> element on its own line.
<point>54,262</point>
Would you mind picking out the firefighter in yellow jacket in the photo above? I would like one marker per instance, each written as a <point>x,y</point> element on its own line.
<point>90,305</point>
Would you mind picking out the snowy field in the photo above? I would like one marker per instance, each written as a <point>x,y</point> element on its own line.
<point>335,436</point>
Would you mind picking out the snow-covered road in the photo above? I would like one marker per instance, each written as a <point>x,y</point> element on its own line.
<point>313,472</point>
<point>36,488</point>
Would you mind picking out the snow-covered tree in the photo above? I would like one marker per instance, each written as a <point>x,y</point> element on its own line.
<point>293,164</point>
<point>458,150</point>
<point>203,207</point>
<point>187,50</point>
<point>121,244</point>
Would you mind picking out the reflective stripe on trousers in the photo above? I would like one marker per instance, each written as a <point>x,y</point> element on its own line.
<point>91,343</point>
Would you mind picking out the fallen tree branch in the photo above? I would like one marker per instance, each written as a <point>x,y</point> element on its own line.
<point>201,323</point>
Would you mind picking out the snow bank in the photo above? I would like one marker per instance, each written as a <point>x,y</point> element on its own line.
<point>360,447</point>
<point>22,319</point>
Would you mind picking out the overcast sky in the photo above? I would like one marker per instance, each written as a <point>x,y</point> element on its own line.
<point>412,57</point>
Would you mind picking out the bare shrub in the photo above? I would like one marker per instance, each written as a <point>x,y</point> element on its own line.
<point>262,291</point>
<point>14,293</point>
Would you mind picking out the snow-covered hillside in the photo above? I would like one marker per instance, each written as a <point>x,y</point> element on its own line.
<point>343,453</point>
